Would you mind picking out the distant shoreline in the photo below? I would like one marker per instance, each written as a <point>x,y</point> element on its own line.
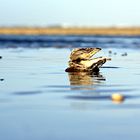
<point>68,31</point>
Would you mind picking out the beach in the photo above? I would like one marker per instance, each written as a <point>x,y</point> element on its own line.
<point>39,100</point>
<point>69,70</point>
<point>70,30</point>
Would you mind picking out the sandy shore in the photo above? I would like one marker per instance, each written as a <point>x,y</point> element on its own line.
<point>67,31</point>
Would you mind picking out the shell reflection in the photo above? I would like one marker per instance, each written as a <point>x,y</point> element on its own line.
<point>85,78</point>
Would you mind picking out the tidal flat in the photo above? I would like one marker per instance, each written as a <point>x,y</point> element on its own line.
<point>39,100</point>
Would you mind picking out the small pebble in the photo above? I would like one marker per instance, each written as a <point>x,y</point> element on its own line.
<point>1,79</point>
<point>110,52</point>
<point>117,98</point>
<point>124,54</point>
<point>0,57</point>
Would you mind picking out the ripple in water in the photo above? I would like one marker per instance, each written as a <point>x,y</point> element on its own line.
<point>27,92</point>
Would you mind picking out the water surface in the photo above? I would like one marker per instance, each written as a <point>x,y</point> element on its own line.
<point>39,100</point>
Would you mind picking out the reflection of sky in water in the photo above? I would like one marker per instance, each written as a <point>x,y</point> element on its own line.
<point>39,100</point>
<point>43,70</point>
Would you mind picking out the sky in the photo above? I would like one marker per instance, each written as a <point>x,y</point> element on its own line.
<point>70,12</point>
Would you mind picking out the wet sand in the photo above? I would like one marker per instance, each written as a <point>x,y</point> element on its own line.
<point>39,100</point>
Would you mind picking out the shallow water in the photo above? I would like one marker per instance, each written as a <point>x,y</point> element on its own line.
<point>39,100</point>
